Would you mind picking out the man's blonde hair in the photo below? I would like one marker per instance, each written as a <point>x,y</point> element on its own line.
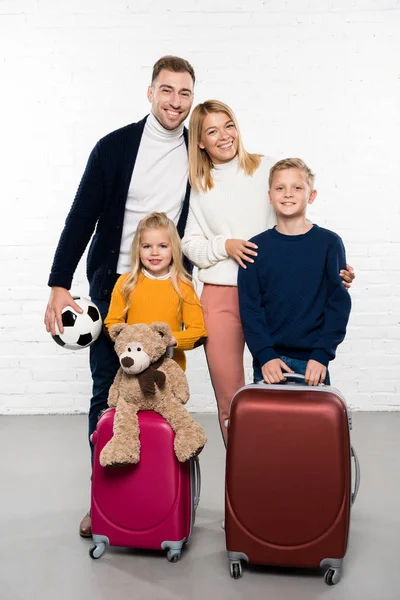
<point>157,220</point>
<point>200,164</point>
<point>292,163</point>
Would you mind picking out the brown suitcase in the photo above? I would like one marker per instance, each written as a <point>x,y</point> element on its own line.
<point>288,477</point>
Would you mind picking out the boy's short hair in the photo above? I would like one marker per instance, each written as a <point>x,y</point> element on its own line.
<point>292,163</point>
<point>172,63</point>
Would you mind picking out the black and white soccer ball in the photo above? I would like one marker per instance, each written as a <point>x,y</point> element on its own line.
<point>80,329</point>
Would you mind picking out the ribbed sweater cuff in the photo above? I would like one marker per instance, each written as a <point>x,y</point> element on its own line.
<point>220,246</point>
<point>187,342</point>
<point>60,280</point>
<point>266,355</point>
<point>320,356</point>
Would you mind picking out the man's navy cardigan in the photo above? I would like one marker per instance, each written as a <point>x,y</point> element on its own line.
<point>99,207</point>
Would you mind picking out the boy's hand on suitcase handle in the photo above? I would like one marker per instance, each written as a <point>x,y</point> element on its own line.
<point>315,373</point>
<point>272,371</point>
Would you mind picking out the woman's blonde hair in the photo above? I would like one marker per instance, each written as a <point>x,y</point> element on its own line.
<point>200,164</point>
<point>157,220</point>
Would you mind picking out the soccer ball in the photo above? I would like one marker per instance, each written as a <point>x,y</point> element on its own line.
<point>80,329</point>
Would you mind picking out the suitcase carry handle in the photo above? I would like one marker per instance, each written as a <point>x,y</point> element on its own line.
<point>357,474</point>
<point>295,376</point>
<point>197,482</point>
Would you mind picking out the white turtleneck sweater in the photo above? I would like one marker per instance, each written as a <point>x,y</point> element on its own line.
<point>237,207</point>
<point>158,182</point>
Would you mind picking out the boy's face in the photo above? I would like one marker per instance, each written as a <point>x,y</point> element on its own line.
<point>290,192</point>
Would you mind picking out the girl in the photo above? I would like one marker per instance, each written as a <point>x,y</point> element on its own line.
<point>228,205</point>
<point>158,288</point>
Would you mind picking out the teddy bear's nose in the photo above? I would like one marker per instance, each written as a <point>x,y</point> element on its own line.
<point>127,362</point>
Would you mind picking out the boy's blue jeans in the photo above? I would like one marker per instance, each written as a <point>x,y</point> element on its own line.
<point>297,365</point>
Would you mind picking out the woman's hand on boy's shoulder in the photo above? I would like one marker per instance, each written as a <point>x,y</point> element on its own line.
<point>347,276</point>
<point>241,250</point>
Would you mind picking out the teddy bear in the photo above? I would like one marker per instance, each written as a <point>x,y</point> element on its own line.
<point>148,380</point>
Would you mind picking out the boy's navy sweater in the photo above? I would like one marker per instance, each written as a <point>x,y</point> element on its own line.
<point>292,299</point>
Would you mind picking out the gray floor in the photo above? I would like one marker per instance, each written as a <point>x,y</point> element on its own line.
<point>44,483</point>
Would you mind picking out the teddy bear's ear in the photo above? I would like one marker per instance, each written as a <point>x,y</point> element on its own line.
<point>163,330</point>
<point>116,329</point>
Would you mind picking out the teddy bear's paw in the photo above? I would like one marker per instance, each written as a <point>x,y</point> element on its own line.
<point>198,437</point>
<point>113,455</point>
<point>117,465</point>
<point>182,451</point>
<point>199,450</point>
<point>189,443</point>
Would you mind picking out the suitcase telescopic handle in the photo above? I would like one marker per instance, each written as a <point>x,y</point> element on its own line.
<point>357,474</point>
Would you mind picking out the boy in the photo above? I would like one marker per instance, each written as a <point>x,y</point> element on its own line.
<point>293,305</point>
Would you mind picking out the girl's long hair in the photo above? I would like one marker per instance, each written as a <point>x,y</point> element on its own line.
<point>200,164</point>
<point>157,220</point>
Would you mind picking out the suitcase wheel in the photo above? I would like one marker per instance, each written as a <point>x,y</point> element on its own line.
<point>97,550</point>
<point>235,568</point>
<point>173,555</point>
<point>332,576</point>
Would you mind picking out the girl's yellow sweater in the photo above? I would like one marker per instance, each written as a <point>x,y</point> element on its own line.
<point>156,300</point>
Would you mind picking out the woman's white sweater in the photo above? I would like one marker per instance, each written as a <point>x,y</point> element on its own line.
<point>237,207</point>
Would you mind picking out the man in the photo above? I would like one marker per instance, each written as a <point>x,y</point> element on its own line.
<point>131,172</point>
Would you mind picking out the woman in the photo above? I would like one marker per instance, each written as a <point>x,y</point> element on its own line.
<point>229,204</point>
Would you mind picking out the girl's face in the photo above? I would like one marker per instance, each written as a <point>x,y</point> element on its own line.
<point>219,138</point>
<point>155,251</point>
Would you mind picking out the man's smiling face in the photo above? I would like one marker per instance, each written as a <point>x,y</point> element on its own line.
<point>171,97</point>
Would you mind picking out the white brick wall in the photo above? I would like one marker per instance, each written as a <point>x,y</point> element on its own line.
<point>310,78</point>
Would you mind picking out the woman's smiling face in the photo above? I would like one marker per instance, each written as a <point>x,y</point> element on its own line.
<point>219,138</point>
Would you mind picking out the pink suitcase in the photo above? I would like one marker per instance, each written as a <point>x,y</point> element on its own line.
<point>149,505</point>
